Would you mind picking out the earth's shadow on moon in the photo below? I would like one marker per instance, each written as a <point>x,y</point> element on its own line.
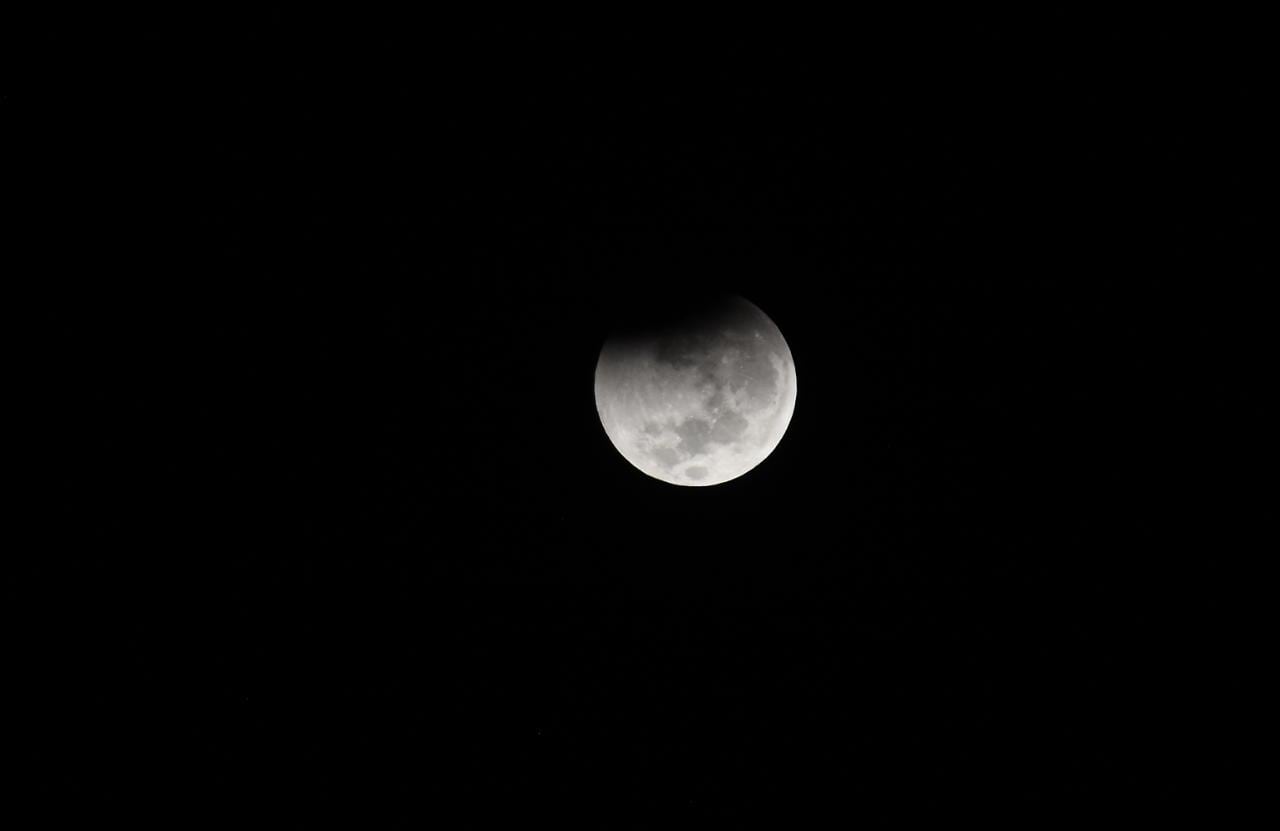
<point>647,318</point>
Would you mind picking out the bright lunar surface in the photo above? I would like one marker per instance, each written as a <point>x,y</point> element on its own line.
<point>699,398</point>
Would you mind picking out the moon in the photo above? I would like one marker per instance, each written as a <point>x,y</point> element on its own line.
<point>698,396</point>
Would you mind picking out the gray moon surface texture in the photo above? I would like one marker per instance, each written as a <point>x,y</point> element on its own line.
<point>700,399</point>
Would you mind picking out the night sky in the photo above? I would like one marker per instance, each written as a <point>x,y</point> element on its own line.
<point>371,555</point>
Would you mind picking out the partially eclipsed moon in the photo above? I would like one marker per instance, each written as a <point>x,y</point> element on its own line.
<point>701,399</point>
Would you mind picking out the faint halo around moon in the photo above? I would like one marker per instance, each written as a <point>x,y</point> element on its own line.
<point>699,395</point>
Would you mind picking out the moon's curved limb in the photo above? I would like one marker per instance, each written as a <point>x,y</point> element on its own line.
<point>702,406</point>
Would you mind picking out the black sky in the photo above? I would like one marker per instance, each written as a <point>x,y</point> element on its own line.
<point>371,552</point>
